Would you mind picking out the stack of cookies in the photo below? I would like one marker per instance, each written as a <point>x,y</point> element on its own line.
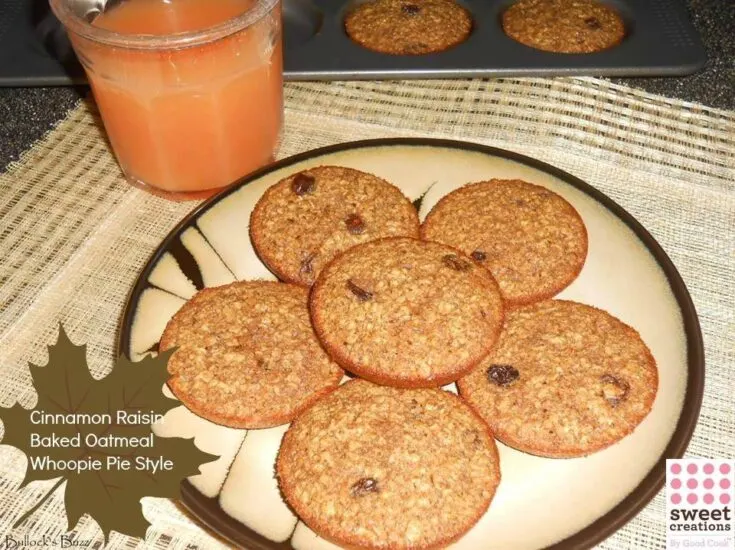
<point>389,459</point>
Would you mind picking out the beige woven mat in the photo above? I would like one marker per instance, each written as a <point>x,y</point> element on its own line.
<point>74,235</point>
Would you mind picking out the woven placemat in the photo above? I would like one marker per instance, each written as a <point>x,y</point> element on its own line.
<point>74,235</point>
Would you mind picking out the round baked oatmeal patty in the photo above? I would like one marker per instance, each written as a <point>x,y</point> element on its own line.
<point>306,219</point>
<point>532,240</point>
<point>408,27</point>
<point>247,355</point>
<point>566,379</point>
<point>382,467</point>
<point>564,26</point>
<point>406,312</point>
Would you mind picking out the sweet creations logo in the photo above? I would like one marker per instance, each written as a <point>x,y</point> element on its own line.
<point>699,504</point>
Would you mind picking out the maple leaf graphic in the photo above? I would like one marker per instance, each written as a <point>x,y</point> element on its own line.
<point>111,495</point>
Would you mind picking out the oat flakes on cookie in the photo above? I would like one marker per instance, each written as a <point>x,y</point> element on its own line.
<point>408,27</point>
<point>306,219</point>
<point>532,240</point>
<point>247,355</point>
<point>406,312</point>
<point>379,467</point>
<point>564,26</point>
<point>565,380</point>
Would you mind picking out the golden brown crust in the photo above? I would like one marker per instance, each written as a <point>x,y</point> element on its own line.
<point>564,26</point>
<point>565,380</point>
<point>532,240</point>
<point>303,221</point>
<point>408,27</point>
<point>378,467</point>
<point>247,355</point>
<point>427,316</point>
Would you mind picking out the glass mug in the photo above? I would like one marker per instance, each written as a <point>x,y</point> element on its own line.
<point>191,111</point>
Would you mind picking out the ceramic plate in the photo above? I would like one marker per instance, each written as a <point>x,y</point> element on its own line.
<point>570,503</point>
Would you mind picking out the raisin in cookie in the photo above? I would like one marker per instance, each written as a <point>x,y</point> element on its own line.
<point>379,467</point>
<point>306,219</point>
<point>406,312</point>
<point>408,27</point>
<point>532,240</point>
<point>247,355</point>
<point>565,380</point>
<point>564,26</point>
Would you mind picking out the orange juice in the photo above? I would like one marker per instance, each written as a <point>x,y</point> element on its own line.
<point>190,113</point>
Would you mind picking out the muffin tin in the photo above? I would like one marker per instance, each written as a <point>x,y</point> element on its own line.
<point>660,40</point>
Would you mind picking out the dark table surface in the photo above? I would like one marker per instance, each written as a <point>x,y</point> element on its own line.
<point>27,113</point>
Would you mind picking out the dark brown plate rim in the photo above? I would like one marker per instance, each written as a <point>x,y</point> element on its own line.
<point>208,510</point>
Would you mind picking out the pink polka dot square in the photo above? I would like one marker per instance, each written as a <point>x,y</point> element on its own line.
<point>700,483</point>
